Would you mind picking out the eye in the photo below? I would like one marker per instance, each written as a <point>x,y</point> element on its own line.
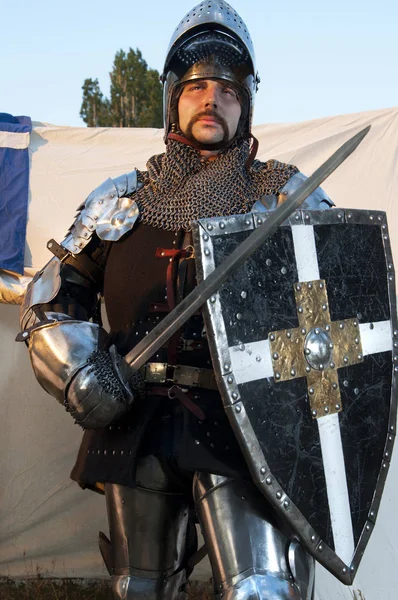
<point>230,92</point>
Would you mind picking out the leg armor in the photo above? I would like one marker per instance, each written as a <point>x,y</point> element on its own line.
<point>148,526</point>
<point>250,557</point>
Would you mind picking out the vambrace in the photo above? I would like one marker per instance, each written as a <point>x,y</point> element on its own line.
<point>71,357</point>
<point>72,362</point>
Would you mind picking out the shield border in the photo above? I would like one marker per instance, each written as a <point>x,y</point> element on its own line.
<point>203,232</point>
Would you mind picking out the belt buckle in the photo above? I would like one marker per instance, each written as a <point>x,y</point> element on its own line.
<point>155,372</point>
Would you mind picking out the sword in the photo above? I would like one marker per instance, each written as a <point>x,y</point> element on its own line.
<point>172,322</point>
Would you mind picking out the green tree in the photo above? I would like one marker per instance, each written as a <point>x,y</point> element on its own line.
<point>94,109</point>
<point>135,95</point>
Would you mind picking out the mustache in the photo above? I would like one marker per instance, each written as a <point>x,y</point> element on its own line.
<point>210,113</point>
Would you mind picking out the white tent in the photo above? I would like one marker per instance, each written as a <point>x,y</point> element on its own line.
<point>47,524</point>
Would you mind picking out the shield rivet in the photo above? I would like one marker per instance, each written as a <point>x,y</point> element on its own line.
<point>263,470</point>
<point>279,495</point>
<point>238,409</point>
<point>307,369</point>
<point>324,306</point>
<point>311,391</point>
<point>395,358</point>
<point>268,262</point>
<point>371,217</point>
<point>277,375</point>
<point>307,351</point>
<point>356,340</point>
<point>243,295</point>
<point>327,328</point>
<point>222,225</point>
<point>331,345</point>
<point>321,366</point>
<point>298,287</point>
<point>360,356</point>
<point>272,337</point>
<point>367,528</point>
<point>349,216</point>
<point>286,504</point>
<point>303,331</point>
<point>396,369</point>
<point>230,379</point>
<point>314,413</point>
<point>321,286</point>
<point>372,514</point>
<point>355,323</point>
<point>307,217</point>
<point>248,222</point>
<point>345,383</point>
<point>390,438</point>
<point>317,331</point>
<point>341,326</point>
<point>227,367</point>
<point>300,309</point>
<point>356,391</point>
<point>297,217</point>
<point>210,227</point>
<point>309,285</point>
<point>197,442</point>
<point>344,570</point>
<point>345,359</point>
<point>390,277</point>
<point>268,481</point>
<point>292,372</point>
<point>384,465</point>
<point>320,547</point>
<point>334,386</point>
<point>332,365</point>
<point>337,406</point>
<point>313,538</point>
<point>289,335</point>
<point>258,358</point>
<point>352,569</point>
<point>207,252</point>
<point>283,270</point>
<point>275,356</point>
<point>326,410</point>
<point>389,266</point>
<point>386,454</point>
<point>395,344</point>
<point>213,299</point>
<point>235,395</point>
<point>238,316</point>
<point>339,216</point>
<point>241,347</point>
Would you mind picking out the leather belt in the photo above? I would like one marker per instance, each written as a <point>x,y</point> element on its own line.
<point>155,372</point>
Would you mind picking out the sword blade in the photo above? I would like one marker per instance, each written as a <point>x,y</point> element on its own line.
<point>172,322</point>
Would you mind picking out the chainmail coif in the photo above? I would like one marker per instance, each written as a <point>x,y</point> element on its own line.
<point>181,187</point>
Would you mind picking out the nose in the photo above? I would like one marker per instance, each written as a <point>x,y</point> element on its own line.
<point>211,97</point>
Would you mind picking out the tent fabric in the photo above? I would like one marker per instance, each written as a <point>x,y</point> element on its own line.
<point>14,187</point>
<point>48,525</point>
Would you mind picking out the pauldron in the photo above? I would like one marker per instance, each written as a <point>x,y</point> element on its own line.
<point>109,211</point>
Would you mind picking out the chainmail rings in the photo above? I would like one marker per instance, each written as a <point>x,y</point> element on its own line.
<point>180,187</point>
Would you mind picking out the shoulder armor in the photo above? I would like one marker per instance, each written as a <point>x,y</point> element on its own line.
<point>318,200</point>
<point>109,211</point>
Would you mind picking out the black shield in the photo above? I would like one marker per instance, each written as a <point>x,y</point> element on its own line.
<point>304,342</point>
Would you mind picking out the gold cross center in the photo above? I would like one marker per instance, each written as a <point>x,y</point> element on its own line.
<point>316,349</point>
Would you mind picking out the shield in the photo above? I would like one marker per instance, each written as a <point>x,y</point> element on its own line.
<point>304,343</point>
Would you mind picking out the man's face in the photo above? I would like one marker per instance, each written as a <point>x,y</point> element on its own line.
<point>209,111</point>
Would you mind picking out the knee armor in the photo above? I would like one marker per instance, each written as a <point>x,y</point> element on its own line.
<point>250,557</point>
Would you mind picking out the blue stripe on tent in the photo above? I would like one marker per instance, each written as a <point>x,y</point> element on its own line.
<point>14,189</point>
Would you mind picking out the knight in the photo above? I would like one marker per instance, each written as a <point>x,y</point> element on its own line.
<point>157,443</point>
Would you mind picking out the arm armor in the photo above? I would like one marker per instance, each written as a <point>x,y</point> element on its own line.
<point>318,200</point>
<point>70,356</point>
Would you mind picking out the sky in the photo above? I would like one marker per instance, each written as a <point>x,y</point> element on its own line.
<point>314,58</point>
